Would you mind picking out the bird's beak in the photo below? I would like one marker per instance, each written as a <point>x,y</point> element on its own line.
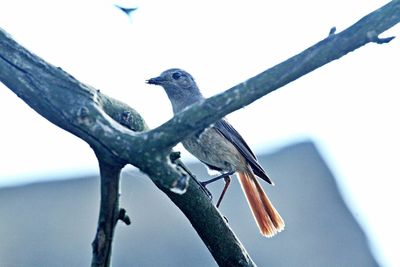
<point>156,81</point>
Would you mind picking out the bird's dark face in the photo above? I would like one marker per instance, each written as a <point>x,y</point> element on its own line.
<point>173,80</point>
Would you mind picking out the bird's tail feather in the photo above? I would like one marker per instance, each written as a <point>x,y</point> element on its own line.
<point>267,217</point>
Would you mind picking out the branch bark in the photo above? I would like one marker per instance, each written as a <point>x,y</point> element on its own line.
<point>113,129</point>
<point>110,127</point>
<point>202,114</point>
<point>109,213</point>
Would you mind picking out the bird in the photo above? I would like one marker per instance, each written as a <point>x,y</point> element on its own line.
<point>220,147</point>
<point>127,10</point>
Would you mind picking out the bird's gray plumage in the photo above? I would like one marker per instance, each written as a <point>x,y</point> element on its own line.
<point>217,146</point>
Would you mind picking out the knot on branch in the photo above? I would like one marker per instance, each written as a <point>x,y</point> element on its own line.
<point>124,217</point>
<point>99,242</point>
<point>174,156</point>
<point>83,116</point>
<point>180,185</point>
<point>130,120</point>
<point>332,31</point>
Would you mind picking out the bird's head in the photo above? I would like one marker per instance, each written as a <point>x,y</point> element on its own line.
<point>173,78</point>
<point>179,86</point>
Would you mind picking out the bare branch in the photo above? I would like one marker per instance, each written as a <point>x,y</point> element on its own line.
<point>202,114</point>
<point>109,213</point>
<point>106,124</point>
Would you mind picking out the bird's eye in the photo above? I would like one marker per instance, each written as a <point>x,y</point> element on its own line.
<point>176,75</point>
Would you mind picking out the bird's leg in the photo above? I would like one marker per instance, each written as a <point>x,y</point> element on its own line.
<point>227,179</point>
<point>227,183</point>
<point>203,187</point>
<point>217,178</point>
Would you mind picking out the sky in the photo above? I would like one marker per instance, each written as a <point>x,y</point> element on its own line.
<point>349,107</point>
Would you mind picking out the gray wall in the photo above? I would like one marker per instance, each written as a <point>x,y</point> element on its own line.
<point>53,223</point>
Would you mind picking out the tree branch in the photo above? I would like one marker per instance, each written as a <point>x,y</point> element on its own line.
<point>109,213</point>
<point>106,124</point>
<point>204,113</point>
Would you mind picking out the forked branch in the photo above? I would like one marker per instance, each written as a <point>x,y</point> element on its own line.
<point>114,130</point>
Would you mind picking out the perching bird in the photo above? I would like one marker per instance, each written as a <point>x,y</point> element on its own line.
<point>222,148</point>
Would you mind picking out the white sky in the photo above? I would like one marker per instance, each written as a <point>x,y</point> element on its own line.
<point>349,108</point>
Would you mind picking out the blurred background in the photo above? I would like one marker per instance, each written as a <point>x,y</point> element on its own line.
<point>329,140</point>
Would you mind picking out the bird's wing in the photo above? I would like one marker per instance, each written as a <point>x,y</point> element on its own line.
<point>237,140</point>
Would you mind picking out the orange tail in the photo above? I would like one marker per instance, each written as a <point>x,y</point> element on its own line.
<point>267,217</point>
